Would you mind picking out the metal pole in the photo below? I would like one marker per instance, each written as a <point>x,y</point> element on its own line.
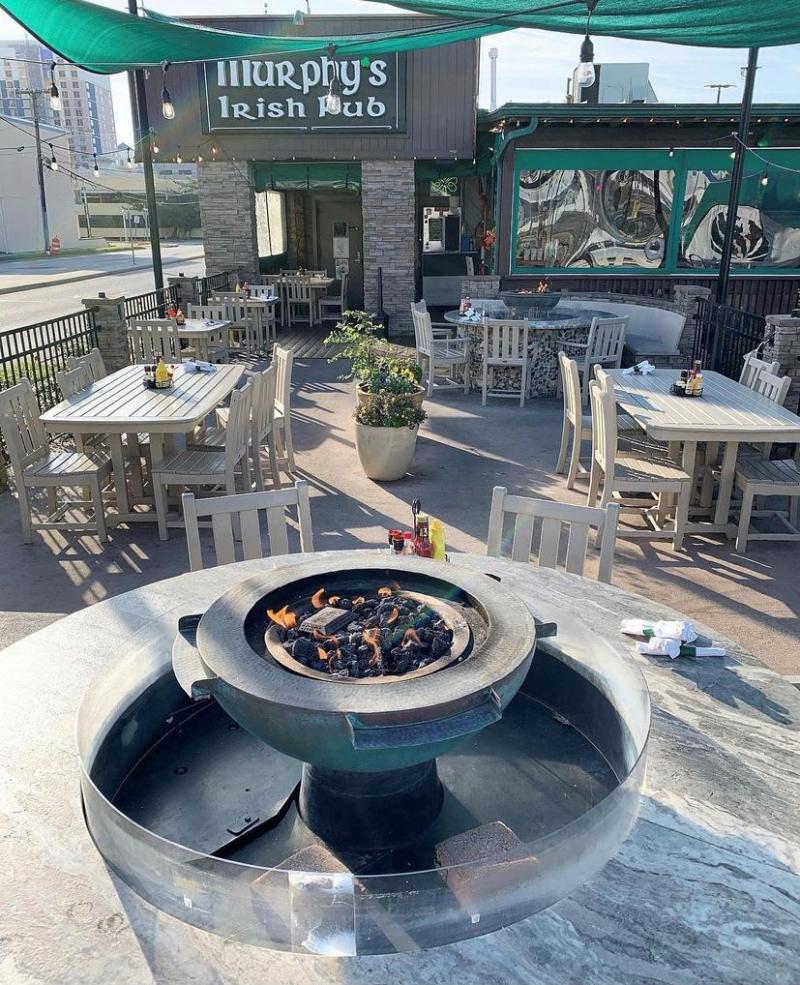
<point>40,171</point>
<point>142,123</point>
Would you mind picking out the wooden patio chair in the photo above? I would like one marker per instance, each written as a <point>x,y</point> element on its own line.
<point>92,361</point>
<point>214,350</point>
<point>231,514</point>
<point>505,346</point>
<point>246,330</point>
<point>299,296</point>
<point>208,468</point>
<point>554,517</point>
<point>439,356</point>
<point>36,465</point>
<point>282,360</point>
<point>603,347</point>
<point>262,417</point>
<point>633,474</point>
<point>761,477</point>
<point>752,366</point>
<point>332,308</point>
<point>150,338</point>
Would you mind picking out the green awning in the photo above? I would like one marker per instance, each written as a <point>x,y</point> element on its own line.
<point>303,176</point>
<point>107,41</point>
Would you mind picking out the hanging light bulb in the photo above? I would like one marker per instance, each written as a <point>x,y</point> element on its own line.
<point>199,158</point>
<point>764,180</point>
<point>733,155</point>
<point>95,169</point>
<point>129,162</point>
<point>333,100</point>
<point>167,109</point>
<point>153,143</point>
<point>214,148</point>
<point>53,161</point>
<point>671,152</point>
<point>55,95</point>
<point>586,72</point>
<point>178,158</point>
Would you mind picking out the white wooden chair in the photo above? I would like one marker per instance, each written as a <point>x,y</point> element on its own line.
<point>277,283</point>
<point>231,514</point>
<point>299,298</point>
<point>208,468</point>
<point>603,347</point>
<point>246,329</point>
<point>92,361</point>
<point>72,381</point>
<point>761,477</point>
<point>36,465</point>
<point>753,365</point>
<point>633,474</point>
<point>262,417</point>
<point>505,346</point>
<point>332,308</point>
<point>282,360</point>
<point>578,520</point>
<point>439,355</point>
<point>153,337</point>
<point>213,349</point>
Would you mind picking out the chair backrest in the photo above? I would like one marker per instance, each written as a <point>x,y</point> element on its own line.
<point>423,331</point>
<point>22,428</point>
<point>220,297</point>
<point>771,386</point>
<point>92,361</point>
<point>282,360</point>
<point>604,425</point>
<point>263,412</point>
<point>606,338</point>
<point>571,387</point>
<point>154,337</point>
<point>553,517</point>
<point>316,273</point>
<point>237,430</point>
<point>246,506</point>
<point>72,381</point>
<point>505,342</point>
<point>343,293</point>
<point>753,365</point>
<point>207,312</point>
<point>298,289</point>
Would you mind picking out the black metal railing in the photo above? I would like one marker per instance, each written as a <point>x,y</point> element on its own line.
<point>224,281</point>
<point>724,335</point>
<point>38,351</point>
<point>153,304</point>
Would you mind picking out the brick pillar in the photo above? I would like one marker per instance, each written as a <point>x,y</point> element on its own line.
<point>188,289</point>
<point>684,300</point>
<point>228,217</point>
<point>782,342</point>
<point>388,212</point>
<point>112,330</point>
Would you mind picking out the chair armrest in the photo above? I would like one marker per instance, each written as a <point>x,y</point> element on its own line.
<point>576,345</point>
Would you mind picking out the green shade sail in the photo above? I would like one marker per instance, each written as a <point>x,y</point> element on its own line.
<point>107,41</point>
<point>306,175</point>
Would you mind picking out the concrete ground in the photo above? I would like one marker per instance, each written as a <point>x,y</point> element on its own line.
<point>463,451</point>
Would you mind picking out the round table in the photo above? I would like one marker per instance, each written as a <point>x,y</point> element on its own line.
<point>547,336</point>
<point>704,889</point>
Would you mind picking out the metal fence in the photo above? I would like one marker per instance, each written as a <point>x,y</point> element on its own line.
<point>154,304</point>
<point>38,351</point>
<point>724,335</point>
<point>224,281</point>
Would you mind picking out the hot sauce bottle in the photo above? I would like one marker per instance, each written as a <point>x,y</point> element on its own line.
<point>422,544</point>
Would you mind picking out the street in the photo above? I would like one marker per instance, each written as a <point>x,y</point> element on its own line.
<point>27,306</point>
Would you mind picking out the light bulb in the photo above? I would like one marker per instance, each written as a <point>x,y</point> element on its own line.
<point>214,148</point>
<point>55,99</point>
<point>178,158</point>
<point>586,73</point>
<point>167,109</point>
<point>671,152</point>
<point>199,158</point>
<point>733,154</point>
<point>333,100</point>
<point>155,147</point>
<point>129,162</point>
<point>765,180</point>
<point>95,169</point>
<point>53,161</point>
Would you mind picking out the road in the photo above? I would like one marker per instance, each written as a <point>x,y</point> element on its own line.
<point>25,307</point>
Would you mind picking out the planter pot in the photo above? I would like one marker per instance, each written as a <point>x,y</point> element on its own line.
<point>364,397</point>
<point>385,453</point>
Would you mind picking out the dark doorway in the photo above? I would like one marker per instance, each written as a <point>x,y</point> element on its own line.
<point>337,240</point>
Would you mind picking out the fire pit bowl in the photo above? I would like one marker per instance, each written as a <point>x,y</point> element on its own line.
<point>398,721</point>
<point>530,304</point>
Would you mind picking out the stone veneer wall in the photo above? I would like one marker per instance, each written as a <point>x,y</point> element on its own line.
<point>228,217</point>
<point>782,342</point>
<point>388,212</point>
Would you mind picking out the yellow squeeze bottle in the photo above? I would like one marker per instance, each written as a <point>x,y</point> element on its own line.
<point>437,539</point>
<point>162,374</point>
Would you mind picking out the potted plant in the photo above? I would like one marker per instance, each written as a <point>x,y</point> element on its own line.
<point>386,434</point>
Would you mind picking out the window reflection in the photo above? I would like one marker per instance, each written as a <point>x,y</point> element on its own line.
<point>575,218</point>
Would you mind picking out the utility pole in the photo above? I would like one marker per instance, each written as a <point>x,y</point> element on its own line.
<point>142,123</point>
<point>39,164</point>
<point>719,86</point>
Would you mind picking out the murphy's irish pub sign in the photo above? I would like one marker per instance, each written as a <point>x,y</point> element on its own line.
<point>247,94</point>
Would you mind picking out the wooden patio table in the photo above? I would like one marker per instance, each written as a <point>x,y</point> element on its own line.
<point>201,334</point>
<point>119,404</point>
<point>727,412</point>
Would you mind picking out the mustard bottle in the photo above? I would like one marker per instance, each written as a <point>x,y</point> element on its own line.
<point>436,535</point>
<point>162,373</point>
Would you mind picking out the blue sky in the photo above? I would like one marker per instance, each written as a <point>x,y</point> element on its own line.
<point>532,65</point>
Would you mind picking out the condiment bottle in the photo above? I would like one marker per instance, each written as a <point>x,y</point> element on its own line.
<point>162,373</point>
<point>179,317</point>
<point>698,376</point>
<point>408,542</point>
<point>438,546</point>
<point>422,544</point>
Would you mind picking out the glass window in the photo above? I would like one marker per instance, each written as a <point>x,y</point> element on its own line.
<point>767,229</point>
<point>577,219</point>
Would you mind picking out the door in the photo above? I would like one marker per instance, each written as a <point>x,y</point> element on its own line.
<point>339,241</point>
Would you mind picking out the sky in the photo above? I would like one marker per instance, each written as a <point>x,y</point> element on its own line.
<point>532,66</point>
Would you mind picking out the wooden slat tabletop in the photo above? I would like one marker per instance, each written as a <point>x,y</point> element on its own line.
<point>727,411</point>
<point>193,327</point>
<point>119,403</point>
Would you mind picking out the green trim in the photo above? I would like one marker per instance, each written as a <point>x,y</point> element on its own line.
<point>681,162</point>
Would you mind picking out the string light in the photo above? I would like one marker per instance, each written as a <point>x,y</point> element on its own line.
<point>671,152</point>
<point>53,161</point>
<point>764,180</point>
<point>153,142</point>
<point>178,158</point>
<point>586,72</point>
<point>199,158</point>
<point>55,95</point>
<point>96,168</point>
<point>129,162</point>
<point>167,109</point>
<point>333,100</point>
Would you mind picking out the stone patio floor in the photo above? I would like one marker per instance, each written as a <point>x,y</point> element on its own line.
<point>463,451</point>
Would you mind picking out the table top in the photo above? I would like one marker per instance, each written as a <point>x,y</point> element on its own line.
<point>201,326</point>
<point>704,888</point>
<point>727,410</point>
<point>568,318</point>
<point>119,402</point>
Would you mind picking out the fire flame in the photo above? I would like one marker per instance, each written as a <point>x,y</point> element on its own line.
<point>316,599</point>
<point>334,599</point>
<point>369,637</point>
<point>321,653</point>
<point>410,636</point>
<point>283,617</point>
<point>392,617</point>
<point>359,600</point>
<point>384,592</point>
<point>321,637</point>
<point>543,287</point>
